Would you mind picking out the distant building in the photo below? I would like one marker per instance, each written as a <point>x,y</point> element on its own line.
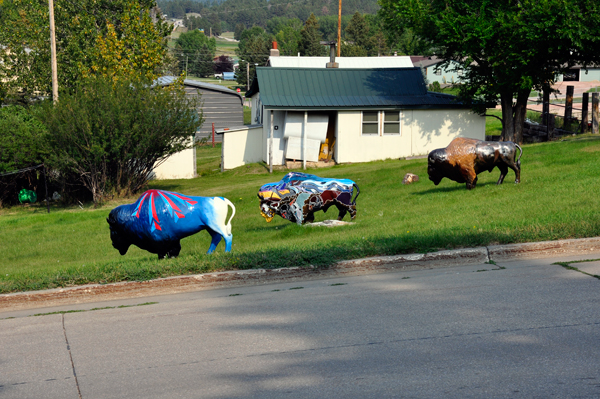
<point>177,23</point>
<point>579,74</point>
<point>434,73</point>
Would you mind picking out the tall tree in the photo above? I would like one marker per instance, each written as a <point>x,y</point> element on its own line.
<point>196,51</point>
<point>112,38</point>
<point>239,28</point>
<point>310,45</point>
<point>223,64</point>
<point>253,49</point>
<point>359,42</point>
<point>288,40</point>
<point>504,48</point>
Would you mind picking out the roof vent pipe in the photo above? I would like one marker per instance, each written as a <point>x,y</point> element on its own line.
<point>331,63</point>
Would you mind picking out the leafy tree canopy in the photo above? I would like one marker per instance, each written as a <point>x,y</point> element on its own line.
<point>364,37</point>
<point>196,53</point>
<point>258,12</point>
<point>253,49</point>
<point>194,40</point>
<point>223,64</point>
<point>504,48</point>
<point>113,38</point>
<point>22,139</point>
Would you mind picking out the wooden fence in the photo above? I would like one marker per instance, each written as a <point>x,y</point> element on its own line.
<point>553,126</point>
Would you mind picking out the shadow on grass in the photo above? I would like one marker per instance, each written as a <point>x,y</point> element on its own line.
<point>458,187</point>
<point>271,228</point>
<point>166,187</point>
<point>147,268</point>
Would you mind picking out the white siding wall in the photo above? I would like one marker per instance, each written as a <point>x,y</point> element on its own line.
<point>178,166</point>
<point>593,74</point>
<point>421,132</point>
<point>446,75</point>
<point>242,146</point>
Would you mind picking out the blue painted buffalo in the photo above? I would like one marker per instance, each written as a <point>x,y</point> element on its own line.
<point>299,195</point>
<point>158,220</point>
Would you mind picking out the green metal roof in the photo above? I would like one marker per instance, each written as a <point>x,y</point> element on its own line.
<point>346,88</point>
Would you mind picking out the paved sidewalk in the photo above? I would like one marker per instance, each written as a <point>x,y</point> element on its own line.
<point>585,248</point>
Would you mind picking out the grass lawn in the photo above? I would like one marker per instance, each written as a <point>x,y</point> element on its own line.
<point>208,159</point>
<point>557,199</point>
<point>226,47</point>
<point>493,126</point>
<point>247,115</point>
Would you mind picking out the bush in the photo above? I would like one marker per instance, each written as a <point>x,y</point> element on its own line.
<point>113,134</point>
<point>22,139</point>
<point>23,143</point>
<point>435,86</point>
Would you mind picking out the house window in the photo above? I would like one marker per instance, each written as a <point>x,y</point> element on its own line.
<point>391,122</point>
<point>438,71</point>
<point>370,122</point>
<point>380,122</point>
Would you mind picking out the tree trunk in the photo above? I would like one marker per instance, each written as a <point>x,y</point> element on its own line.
<point>513,117</point>
<point>508,126</point>
<point>520,113</point>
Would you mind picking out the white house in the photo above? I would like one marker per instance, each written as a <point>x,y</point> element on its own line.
<point>346,114</point>
<point>434,73</point>
<point>580,74</point>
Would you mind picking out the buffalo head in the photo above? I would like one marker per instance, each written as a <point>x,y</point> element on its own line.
<point>117,235</point>
<point>435,165</point>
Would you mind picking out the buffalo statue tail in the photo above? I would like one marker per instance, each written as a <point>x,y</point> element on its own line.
<point>228,225</point>
<point>357,193</point>
<point>521,154</point>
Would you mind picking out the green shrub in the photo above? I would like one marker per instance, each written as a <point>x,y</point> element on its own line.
<point>435,86</point>
<point>111,135</point>
<point>22,139</point>
<point>23,143</point>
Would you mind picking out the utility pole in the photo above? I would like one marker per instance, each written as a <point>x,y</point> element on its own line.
<point>339,41</point>
<point>53,52</point>
<point>247,75</point>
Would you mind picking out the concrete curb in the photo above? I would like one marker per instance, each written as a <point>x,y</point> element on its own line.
<point>378,264</point>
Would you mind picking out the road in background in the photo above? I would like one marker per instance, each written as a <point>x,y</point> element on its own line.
<point>516,329</point>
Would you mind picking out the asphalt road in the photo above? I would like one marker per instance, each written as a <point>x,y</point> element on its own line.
<point>521,329</point>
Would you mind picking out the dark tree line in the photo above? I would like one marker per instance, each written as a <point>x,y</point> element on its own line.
<point>227,15</point>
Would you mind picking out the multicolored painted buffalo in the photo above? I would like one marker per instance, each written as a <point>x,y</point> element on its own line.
<point>299,195</point>
<point>158,220</point>
<point>465,158</point>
